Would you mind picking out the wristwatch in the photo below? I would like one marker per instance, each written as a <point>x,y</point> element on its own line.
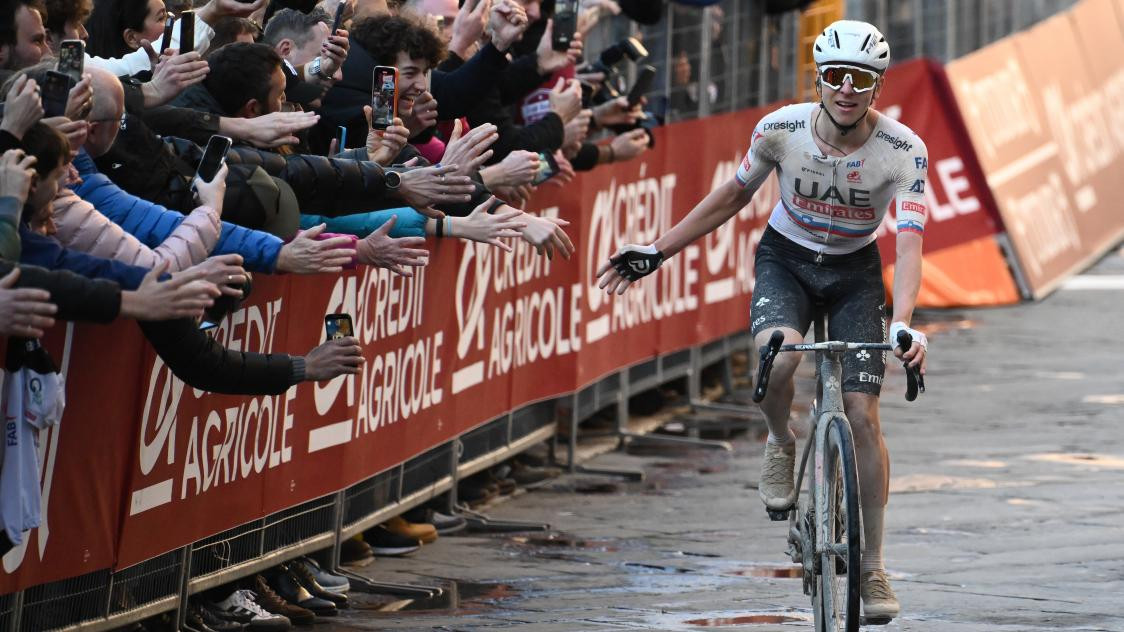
<point>314,68</point>
<point>393,180</point>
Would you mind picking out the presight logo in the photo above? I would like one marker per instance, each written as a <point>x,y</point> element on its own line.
<point>897,143</point>
<point>789,126</point>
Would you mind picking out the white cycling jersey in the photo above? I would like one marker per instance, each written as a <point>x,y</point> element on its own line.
<point>834,205</point>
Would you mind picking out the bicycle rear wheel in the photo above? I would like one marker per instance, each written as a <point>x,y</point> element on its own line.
<point>839,564</point>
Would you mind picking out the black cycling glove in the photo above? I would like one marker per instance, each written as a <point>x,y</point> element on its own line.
<point>635,262</point>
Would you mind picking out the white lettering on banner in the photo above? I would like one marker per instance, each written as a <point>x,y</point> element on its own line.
<point>729,253</point>
<point>399,384</point>
<point>381,305</point>
<point>1086,148</point>
<point>536,326</point>
<point>1001,104</point>
<point>231,444</point>
<point>1114,94</point>
<point>950,173</point>
<point>1043,218</point>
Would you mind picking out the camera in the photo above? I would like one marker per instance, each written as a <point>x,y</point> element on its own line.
<point>606,63</point>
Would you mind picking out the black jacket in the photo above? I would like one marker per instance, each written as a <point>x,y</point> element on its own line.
<point>195,357</point>
<point>77,297</point>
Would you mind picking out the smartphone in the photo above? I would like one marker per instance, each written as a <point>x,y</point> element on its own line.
<point>384,96</point>
<point>56,92</point>
<point>565,24</point>
<point>72,59</point>
<point>213,157</point>
<point>338,326</point>
<point>341,137</point>
<point>166,41</point>
<point>642,86</point>
<point>187,31</point>
<point>208,326</point>
<point>548,168</point>
<point>339,18</point>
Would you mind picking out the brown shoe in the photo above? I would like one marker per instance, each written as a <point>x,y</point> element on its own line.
<point>273,602</point>
<point>424,532</point>
<point>356,552</point>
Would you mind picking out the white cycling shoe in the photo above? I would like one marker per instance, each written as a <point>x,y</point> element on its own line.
<point>775,487</point>
<point>879,600</point>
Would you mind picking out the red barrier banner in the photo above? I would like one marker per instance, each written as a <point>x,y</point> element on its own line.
<point>1037,119</point>
<point>143,464</point>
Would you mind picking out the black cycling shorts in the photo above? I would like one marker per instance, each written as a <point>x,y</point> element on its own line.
<point>790,284</point>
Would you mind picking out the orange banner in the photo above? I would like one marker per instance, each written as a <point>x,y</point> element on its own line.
<point>1037,119</point>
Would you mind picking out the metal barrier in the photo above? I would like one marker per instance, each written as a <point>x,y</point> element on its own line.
<point>104,599</point>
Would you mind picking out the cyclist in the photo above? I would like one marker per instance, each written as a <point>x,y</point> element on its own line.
<point>840,163</point>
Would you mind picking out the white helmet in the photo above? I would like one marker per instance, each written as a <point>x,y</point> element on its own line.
<point>852,42</point>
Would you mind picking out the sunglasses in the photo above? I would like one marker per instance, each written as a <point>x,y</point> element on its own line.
<point>861,79</point>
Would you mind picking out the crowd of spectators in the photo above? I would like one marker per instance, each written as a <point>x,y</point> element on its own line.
<point>103,214</point>
<point>102,204</point>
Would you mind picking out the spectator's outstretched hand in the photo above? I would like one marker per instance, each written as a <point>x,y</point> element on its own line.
<point>81,99</point>
<point>469,151</point>
<point>342,356</point>
<point>398,255</point>
<point>577,129</point>
<point>383,146</point>
<point>23,107</point>
<point>306,254</point>
<point>212,193</point>
<point>26,312</point>
<point>546,235</point>
<point>17,172</point>
<point>550,60</point>
<point>490,228</point>
<point>423,115</point>
<point>630,144</point>
<point>566,99</point>
<point>565,173</point>
<point>186,295</point>
<point>425,187</point>
<point>507,23</point>
<point>591,12</point>
<point>616,112</point>
<point>225,271</point>
<point>468,27</point>
<point>216,9</point>
<point>516,169</point>
<point>173,74</point>
<point>275,129</point>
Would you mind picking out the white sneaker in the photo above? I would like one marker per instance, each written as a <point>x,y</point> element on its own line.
<point>775,487</point>
<point>879,600</point>
<point>262,619</point>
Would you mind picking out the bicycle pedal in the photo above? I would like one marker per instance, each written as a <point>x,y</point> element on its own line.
<point>778,515</point>
<point>875,620</point>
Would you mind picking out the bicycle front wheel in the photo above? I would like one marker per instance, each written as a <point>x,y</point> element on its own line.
<point>839,562</point>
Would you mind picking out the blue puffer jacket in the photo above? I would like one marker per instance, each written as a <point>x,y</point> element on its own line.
<point>151,223</point>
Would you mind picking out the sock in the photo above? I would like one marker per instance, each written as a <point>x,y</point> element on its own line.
<point>788,438</point>
<point>872,534</point>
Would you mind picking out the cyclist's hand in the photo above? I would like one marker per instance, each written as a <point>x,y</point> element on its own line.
<point>915,355</point>
<point>631,263</point>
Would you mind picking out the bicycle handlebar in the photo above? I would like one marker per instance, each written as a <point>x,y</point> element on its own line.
<point>915,382</point>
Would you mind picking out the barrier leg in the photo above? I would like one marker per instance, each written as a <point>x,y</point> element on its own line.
<point>741,414</point>
<point>17,612</point>
<point>185,584</point>
<point>628,436</point>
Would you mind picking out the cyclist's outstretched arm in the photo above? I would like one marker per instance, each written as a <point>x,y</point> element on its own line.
<point>713,211</point>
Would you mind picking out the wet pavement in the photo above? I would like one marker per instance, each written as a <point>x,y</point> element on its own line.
<point>1006,514</point>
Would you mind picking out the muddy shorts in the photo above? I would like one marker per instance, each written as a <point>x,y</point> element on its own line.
<point>791,285</point>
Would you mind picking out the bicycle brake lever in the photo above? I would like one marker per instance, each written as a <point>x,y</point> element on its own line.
<point>768,353</point>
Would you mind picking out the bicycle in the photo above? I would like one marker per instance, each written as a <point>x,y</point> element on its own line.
<point>829,549</point>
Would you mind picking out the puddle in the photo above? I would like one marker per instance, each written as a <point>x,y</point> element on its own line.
<point>747,619</point>
<point>658,567</point>
<point>975,463</point>
<point>1110,400</point>
<point>598,488</point>
<point>564,541</point>
<point>457,596</point>
<point>934,482</point>
<point>1106,461</point>
<point>781,572</point>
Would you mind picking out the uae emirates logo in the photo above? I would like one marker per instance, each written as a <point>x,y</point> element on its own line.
<point>639,266</point>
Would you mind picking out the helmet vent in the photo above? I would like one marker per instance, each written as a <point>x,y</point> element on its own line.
<point>865,40</point>
<point>835,34</point>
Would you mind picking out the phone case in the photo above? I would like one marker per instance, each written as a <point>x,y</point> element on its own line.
<point>384,96</point>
